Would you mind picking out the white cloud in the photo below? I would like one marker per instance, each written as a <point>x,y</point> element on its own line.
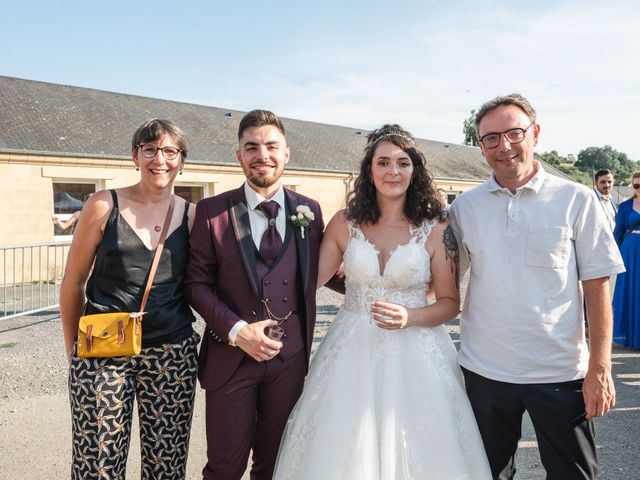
<point>576,62</point>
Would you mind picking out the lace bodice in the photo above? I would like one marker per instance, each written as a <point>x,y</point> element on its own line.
<point>405,277</point>
<point>362,412</point>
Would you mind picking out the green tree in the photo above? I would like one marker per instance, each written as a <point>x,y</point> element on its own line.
<point>469,130</point>
<point>576,175</point>
<point>552,158</point>
<point>593,159</point>
<point>565,166</point>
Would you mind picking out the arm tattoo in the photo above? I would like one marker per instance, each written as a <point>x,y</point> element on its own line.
<point>451,251</point>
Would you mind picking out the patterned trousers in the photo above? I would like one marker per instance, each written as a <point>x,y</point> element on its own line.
<point>101,392</point>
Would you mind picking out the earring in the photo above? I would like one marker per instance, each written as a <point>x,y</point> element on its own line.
<point>137,169</point>
<point>180,172</point>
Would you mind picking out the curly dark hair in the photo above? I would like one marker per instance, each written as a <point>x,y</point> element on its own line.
<point>421,202</point>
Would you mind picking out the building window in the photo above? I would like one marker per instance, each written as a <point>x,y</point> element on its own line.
<point>191,193</point>
<point>68,199</point>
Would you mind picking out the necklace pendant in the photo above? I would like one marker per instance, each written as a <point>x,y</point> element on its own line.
<point>157,228</point>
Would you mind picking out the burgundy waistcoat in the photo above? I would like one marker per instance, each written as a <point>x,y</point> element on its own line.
<point>280,286</point>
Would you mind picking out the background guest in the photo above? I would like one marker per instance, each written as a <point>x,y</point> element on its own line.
<point>443,198</point>
<point>603,187</point>
<point>626,298</point>
<point>72,220</point>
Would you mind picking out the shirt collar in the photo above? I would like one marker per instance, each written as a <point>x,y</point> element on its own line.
<point>534,183</point>
<point>601,197</point>
<point>254,198</point>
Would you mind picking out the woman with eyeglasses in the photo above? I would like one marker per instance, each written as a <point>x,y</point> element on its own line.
<point>108,264</point>
<point>626,298</point>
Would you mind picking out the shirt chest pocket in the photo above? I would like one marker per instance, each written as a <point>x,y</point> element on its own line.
<point>548,247</point>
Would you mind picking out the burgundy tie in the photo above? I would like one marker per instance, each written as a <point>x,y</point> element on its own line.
<point>271,242</point>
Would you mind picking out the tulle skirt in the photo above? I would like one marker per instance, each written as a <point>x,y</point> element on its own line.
<point>382,405</point>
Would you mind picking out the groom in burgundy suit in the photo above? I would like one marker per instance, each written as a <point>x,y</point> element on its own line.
<point>251,267</point>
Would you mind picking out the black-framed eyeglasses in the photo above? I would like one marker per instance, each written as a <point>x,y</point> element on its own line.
<point>636,186</point>
<point>513,136</point>
<point>150,151</point>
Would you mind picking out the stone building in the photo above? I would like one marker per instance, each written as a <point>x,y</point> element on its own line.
<point>58,143</point>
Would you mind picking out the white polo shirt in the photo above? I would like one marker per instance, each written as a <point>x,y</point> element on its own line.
<point>522,320</point>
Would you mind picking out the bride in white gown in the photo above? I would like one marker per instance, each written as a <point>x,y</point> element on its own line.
<point>384,399</point>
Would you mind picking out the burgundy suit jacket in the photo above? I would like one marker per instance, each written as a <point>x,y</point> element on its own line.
<point>221,282</point>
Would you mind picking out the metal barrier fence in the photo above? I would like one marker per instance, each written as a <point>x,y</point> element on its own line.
<point>31,276</point>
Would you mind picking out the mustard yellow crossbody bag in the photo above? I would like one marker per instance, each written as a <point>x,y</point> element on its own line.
<point>119,334</point>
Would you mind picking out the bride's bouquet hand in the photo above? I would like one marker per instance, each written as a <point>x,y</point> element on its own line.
<point>389,316</point>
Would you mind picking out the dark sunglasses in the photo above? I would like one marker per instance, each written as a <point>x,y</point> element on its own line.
<point>636,186</point>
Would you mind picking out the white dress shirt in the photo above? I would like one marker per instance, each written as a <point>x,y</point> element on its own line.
<point>608,207</point>
<point>257,219</point>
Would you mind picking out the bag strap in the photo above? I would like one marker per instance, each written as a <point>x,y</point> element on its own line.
<point>156,258</point>
<point>628,231</point>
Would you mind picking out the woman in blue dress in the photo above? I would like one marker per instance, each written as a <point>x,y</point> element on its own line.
<point>626,298</point>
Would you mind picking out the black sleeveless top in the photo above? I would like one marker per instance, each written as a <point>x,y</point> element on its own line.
<point>120,274</point>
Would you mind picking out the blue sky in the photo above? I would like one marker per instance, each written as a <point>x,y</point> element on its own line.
<point>423,64</point>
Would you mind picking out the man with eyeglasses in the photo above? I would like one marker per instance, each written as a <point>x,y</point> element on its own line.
<point>530,239</point>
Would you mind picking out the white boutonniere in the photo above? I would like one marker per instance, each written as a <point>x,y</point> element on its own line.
<point>303,218</point>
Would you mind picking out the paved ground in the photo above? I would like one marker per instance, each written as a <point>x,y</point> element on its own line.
<point>35,424</point>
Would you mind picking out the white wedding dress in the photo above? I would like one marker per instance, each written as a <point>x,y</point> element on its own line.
<point>378,404</point>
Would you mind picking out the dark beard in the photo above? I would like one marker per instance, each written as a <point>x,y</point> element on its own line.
<point>263,181</point>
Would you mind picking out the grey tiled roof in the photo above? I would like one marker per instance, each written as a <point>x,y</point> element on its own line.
<point>44,117</point>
